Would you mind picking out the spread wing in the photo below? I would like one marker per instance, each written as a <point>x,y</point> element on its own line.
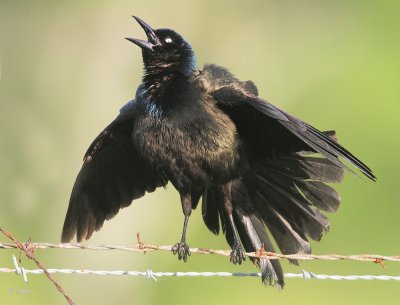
<point>268,129</point>
<point>112,175</point>
<point>286,189</point>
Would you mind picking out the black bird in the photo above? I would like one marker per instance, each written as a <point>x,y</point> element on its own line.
<point>211,135</point>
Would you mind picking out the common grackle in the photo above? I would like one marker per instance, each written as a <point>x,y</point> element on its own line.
<point>255,166</point>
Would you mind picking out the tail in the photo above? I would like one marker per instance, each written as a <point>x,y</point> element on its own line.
<point>285,194</point>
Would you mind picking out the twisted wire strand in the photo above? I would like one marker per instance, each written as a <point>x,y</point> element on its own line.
<point>154,275</point>
<point>149,247</point>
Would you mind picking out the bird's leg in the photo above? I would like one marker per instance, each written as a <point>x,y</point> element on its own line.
<point>181,248</point>
<point>238,253</point>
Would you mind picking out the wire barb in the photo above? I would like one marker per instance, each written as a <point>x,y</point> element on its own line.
<point>150,275</point>
<point>308,275</point>
<point>19,270</point>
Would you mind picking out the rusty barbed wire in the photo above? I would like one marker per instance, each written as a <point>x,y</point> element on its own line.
<point>145,247</point>
<point>29,250</point>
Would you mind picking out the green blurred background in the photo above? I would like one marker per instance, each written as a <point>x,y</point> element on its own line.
<point>65,72</point>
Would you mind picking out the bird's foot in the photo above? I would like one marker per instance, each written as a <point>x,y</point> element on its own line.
<point>238,254</point>
<point>182,249</point>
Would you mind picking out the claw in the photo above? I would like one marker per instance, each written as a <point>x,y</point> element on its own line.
<point>238,254</point>
<point>182,249</point>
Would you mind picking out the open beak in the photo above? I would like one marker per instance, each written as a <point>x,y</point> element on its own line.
<point>151,36</point>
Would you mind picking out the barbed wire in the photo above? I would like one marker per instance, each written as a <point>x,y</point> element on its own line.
<point>142,247</point>
<point>29,249</point>
<point>154,275</point>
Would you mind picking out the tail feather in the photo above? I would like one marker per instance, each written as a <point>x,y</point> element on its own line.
<point>320,195</point>
<point>210,211</point>
<point>287,239</point>
<point>250,227</point>
<point>284,194</point>
<point>290,192</point>
<point>214,213</point>
<point>295,208</point>
<point>252,232</point>
<point>306,167</point>
<point>254,237</point>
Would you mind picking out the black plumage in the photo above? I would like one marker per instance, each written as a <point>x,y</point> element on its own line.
<point>209,134</point>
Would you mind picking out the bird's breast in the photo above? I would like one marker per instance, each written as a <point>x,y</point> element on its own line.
<point>197,147</point>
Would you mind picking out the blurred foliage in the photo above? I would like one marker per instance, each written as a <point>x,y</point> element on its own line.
<point>66,70</point>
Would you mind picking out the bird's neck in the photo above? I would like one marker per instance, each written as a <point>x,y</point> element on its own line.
<point>163,92</point>
<point>159,69</point>
<point>164,84</point>
<point>156,85</point>
<point>161,77</point>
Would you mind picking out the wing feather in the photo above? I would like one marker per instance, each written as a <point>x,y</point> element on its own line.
<point>257,119</point>
<point>112,175</point>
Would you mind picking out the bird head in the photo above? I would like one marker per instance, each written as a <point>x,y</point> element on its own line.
<point>164,51</point>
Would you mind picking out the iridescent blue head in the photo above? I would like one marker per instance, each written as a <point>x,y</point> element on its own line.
<point>164,51</point>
